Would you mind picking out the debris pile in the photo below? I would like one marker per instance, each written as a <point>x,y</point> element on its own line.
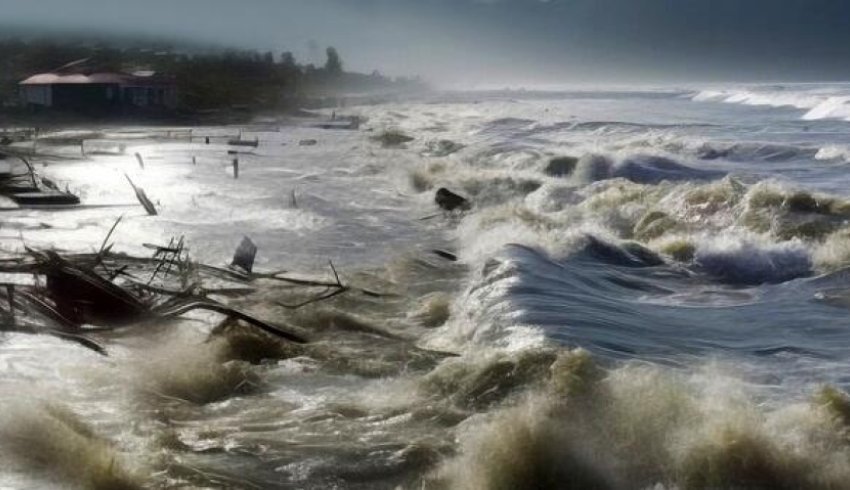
<point>77,296</point>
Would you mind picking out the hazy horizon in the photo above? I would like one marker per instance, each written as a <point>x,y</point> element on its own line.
<point>494,43</point>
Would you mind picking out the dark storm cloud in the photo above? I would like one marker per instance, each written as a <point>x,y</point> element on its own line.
<point>502,41</point>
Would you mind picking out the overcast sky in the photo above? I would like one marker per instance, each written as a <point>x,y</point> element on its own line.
<point>499,42</point>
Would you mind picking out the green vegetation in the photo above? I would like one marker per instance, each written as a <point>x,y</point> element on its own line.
<point>206,80</point>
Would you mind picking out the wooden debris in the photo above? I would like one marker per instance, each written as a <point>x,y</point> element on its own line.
<point>24,189</point>
<point>240,142</point>
<point>84,297</point>
<point>81,294</point>
<point>331,290</point>
<point>446,255</point>
<point>142,197</point>
<point>48,198</point>
<point>346,123</point>
<point>75,296</point>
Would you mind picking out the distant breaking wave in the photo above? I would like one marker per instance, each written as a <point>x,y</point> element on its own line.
<point>819,102</point>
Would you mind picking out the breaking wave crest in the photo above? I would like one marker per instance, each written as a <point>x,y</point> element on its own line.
<point>818,103</point>
<point>189,371</point>
<point>51,443</point>
<point>639,426</point>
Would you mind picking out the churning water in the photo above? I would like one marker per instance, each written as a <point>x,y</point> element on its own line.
<point>651,292</point>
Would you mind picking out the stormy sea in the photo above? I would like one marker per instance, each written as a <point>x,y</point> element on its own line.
<point>646,289</point>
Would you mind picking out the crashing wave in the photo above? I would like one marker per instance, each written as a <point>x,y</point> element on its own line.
<point>818,103</point>
<point>640,426</point>
<point>642,169</point>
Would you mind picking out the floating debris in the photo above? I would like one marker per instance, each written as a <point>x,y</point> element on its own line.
<point>240,142</point>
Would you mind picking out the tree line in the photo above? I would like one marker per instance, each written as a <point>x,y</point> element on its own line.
<point>205,80</point>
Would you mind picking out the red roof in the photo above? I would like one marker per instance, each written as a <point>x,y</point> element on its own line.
<point>94,78</point>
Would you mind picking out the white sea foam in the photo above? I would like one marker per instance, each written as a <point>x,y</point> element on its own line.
<point>817,102</point>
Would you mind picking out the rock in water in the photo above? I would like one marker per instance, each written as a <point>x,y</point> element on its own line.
<point>561,166</point>
<point>392,139</point>
<point>245,255</point>
<point>450,201</point>
<point>443,148</point>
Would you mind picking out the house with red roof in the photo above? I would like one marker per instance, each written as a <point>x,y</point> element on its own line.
<point>72,89</point>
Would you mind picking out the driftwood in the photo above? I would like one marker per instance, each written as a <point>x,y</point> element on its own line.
<point>331,290</point>
<point>142,197</point>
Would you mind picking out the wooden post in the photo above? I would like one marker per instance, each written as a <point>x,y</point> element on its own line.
<point>194,161</point>
<point>207,140</point>
<point>141,161</point>
<point>235,168</point>
<point>10,293</point>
